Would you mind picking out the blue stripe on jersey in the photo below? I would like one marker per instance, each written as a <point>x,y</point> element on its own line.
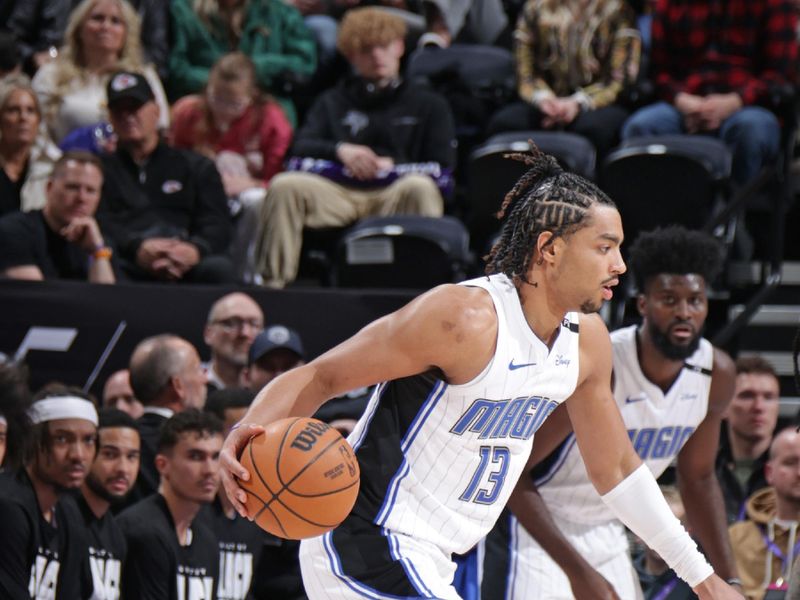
<point>372,407</point>
<point>355,585</point>
<point>566,446</point>
<point>416,425</point>
<point>428,406</point>
<point>513,552</point>
<point>391,495</point>
<point>408,566</point>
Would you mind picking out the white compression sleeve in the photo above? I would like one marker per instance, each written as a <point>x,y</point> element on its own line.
<point>638,502</point>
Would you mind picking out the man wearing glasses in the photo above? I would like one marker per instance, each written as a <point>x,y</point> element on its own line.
<point>233,323</point>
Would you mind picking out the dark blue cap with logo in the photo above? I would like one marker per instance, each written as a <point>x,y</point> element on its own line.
<point>273,338</point>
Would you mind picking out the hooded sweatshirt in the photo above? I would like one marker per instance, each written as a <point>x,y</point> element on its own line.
<point>763,546</point>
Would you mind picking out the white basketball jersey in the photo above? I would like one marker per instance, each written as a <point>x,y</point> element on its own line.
<point>658,425</point>
<point>439,461</point>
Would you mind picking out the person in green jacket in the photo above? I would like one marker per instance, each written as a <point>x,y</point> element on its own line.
<point>270,32</point>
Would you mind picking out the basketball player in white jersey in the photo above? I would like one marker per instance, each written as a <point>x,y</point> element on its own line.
<point>470,372</point>
<point>672,388</point>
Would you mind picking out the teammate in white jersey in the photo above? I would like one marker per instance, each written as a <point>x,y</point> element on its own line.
<point>470,372</point>
<point>672,388</point>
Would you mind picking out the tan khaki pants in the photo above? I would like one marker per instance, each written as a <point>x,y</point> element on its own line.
<point>298,200</point>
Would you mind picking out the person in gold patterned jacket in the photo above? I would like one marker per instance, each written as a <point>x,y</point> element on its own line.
<point>573,58</point>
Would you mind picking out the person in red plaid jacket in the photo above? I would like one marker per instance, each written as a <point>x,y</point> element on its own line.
<point>716,65</point>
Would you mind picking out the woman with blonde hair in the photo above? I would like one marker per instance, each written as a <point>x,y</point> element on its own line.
<point>27,155</point>
<point>102,37</point>
<point>270,32</point>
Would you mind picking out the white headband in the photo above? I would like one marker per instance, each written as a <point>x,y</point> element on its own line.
<point>3,420</point>
<point>63,407</point>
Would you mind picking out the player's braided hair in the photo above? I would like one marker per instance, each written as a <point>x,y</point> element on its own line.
<point>546,198</point>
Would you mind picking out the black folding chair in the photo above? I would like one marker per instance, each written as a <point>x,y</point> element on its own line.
<point>491,174</point>
<point>403,251</point>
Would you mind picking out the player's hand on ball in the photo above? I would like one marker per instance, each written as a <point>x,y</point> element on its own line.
<point>232,469</point>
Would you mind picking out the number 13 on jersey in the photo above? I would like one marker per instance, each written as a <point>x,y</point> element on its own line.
<point>488,479</point>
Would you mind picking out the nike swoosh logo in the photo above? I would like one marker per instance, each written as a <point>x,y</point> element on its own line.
<point>513,367</point>
<point>633,399</point>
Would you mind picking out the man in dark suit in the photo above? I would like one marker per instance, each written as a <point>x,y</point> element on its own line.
<point>167,377</point>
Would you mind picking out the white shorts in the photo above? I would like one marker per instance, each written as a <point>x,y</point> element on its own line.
<point>412,569</point>
<point>533,574</point>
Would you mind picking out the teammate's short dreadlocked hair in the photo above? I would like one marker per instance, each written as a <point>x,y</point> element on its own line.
<point>675,250</point>
<point>546,198</point>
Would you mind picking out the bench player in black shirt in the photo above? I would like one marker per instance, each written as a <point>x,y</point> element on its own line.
<point>40,557</point>
<point>110,478</point>
<point>172,555</point>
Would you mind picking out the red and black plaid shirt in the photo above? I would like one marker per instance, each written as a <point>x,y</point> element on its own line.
<point>718,46</point>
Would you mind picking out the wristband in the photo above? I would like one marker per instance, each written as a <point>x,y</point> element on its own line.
<point>102,253</point>
<point>734,581</point>
<point>638,502</point>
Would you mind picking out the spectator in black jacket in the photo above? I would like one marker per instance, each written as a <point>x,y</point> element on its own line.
<point>38,27</point>
<point>167,376</point>
<point>751,420</point>
<point>374,144</point>
<point>164,208</point>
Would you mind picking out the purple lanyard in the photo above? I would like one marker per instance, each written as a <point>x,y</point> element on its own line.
<point>666,589</point>
<point>775,550</point>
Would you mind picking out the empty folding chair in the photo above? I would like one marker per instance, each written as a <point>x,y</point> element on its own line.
<point>491,174</point>
<point>668,179</point>
<point>403,251</point>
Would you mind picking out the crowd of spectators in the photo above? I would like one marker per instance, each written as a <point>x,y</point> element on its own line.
<point>135,137</point>
<point>118,496</point>
<point>307,119</point>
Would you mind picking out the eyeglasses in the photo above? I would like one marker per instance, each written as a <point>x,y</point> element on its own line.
<point>237,324</point>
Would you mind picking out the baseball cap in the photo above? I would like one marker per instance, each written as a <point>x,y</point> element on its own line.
<point>272,338</point>
<point>125,85</point>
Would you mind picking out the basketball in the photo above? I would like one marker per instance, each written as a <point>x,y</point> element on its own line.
<point>304,478</point>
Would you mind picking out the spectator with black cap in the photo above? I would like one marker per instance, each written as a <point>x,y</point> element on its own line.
<point>165,208</point>
<point>275,350</point>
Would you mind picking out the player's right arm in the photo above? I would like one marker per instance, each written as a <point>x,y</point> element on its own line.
<point>531,511</point>
<point>451,329</point>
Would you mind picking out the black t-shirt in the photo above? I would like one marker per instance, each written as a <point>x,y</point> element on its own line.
<point>157,567</point>
<point>39,560</point>
<point>241,543</point>
<point>105,551</point>
<point>10,191</point>
<point>25,239</point>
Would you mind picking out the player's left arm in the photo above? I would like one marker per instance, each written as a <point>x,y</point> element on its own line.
<point>697,479</point>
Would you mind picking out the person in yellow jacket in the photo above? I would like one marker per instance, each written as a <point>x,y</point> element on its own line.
<point>766,543</point>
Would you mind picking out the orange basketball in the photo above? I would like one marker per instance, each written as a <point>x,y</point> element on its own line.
<point>304,478</point>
